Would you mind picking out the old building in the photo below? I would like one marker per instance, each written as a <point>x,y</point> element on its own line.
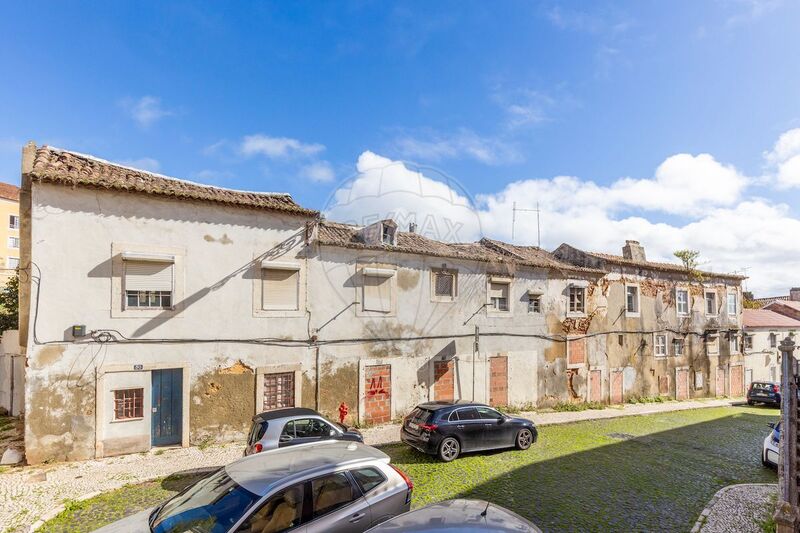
<point>9,230</point>
<point>764,330</point>
<point>159,312</point>
<point>663,329</point>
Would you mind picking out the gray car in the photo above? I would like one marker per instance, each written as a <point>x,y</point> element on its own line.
<point>330,486</point>
<point>458,515</point>
<point>294,425</point>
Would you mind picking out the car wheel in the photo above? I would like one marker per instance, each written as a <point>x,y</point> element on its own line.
<point>524,439</point>
<point>449,449</point>
<point>750,402</point>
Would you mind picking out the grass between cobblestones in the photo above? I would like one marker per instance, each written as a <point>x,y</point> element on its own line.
<point>641,473</point>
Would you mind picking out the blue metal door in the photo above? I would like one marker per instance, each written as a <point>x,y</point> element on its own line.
<point>167,416</point>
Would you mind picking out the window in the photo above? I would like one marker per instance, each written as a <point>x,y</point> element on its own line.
<point>748,342</point>
<point>677,347</point>
<point>387,234</point>
<point>13,221</point>
<point>488,414</point>
<point>13,262</point>
<point>282,511</point>
<point>280,288</point>
<point>468,413</point>
<point>128,404</point>
<point>711,303</point>
<point>632,299</point>
<point>682,301</point>
<point>498,295</point>
<point>306,428</point>
<point>330,493</point>
<point>148,283</point>
<point>214,503</point>
<point>278,390</point>
<point>734,343</point>
<point>773,340</point>
<point>368,478</point>
<point>661,346</point>
<point>732,307</point>
<point>577,300</point>
<point>377,287</point>
<point>13,242</point>
<point>444,284</point>
<point>534,303</point>
<point>698,380</point>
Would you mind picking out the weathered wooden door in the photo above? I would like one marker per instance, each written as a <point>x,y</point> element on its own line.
<point>682,384</point>
<point>167,407</point>
<point>720,381</point>
<point>737,381</point>
<point>596,386</point>
<point>616,386</point>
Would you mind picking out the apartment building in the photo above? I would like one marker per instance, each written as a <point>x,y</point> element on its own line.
<point>9,230</point>
<point>764,330</point>
<point>202,306</point>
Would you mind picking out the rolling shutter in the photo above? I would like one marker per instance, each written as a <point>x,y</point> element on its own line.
<point>280,289</point>
<point>377,293</point>
<point>498,290</point>
<point>148,275</point>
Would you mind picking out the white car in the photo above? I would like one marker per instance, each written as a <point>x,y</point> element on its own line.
<point>769,451</point>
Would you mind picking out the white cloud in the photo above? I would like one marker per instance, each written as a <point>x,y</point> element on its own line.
<point>751,10</point>
<point>277,147</point>
<point>146,111</point>
<point>704,198</point>
<point>320,172</point>
<point>523,107</point>
<point>144,163</point>
<point>462,144</point>
<point>783,161</point>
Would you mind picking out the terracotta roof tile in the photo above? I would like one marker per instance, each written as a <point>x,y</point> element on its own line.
<point>656,265</point>
<point>52,165</point>
<point>764,318</point>
<point>535,256</point>
<point>9,192</point>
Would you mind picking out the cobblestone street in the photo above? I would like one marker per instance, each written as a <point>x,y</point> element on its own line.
<point>31,493</point>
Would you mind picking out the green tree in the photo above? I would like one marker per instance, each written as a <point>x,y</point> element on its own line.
<point>9,304</point>
<point>689,260</point>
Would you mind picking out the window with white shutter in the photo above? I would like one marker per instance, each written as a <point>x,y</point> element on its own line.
<point>377,287</point>
<point>280,288</point>
<point>148,281</point>
<point>498,295</point>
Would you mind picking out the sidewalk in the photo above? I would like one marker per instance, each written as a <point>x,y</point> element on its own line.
<point>30,494</point>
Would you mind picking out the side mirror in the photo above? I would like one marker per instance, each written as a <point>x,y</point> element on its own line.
<point>332,433</point>
<point>772,425</point>
<point>502,420</point>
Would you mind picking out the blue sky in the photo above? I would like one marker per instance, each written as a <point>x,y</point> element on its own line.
<point>500,97</point>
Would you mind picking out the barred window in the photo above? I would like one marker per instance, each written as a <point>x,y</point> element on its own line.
<point>444,284</point>
<point>278,390</point>
<point>128,403</point>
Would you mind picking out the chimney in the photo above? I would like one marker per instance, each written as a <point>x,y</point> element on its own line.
<point>794,294</point>
<point>412,227</point>
<point>634,251</point>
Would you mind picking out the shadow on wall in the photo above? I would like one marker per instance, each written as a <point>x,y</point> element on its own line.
<point>659,481</point>
<point>250,270</point>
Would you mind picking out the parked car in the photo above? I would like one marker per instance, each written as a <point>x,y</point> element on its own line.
<point>458,515</point>
<point>448,428</point>
<point>769,450</point>
<point>294,425</point>
<point>767,392</point>
<point>332,486</point>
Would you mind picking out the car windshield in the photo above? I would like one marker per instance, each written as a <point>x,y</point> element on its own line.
<point>212,505</point>
<point>257,432</point>
<point>762,386</point>
<point>419,415</point>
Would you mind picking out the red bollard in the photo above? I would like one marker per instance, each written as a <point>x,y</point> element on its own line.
<point>343,410</point>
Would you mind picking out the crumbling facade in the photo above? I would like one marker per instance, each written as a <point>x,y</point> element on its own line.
<point>160,312</point>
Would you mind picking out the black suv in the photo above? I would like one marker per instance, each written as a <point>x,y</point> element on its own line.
<point>446,429</point>
<point>764,392</point>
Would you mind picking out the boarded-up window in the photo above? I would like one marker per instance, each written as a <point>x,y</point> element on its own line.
<point>148,283</point>
<point>377,287</point>
<point>278,390</point>
<point>663,385</point>
<point>280,289</point>
<point>128,403</point>
<point>498,296</point>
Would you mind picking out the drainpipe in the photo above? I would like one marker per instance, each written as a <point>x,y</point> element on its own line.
<point>475,349</point>
<point>316,366</point>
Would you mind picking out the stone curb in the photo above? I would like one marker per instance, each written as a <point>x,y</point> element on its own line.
<point>55,511</point>
<point>701,520</point>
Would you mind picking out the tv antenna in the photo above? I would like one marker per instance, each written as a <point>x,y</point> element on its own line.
<point>514,210</point>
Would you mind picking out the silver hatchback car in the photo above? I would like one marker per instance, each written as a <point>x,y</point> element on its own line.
<point>330,486</point>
